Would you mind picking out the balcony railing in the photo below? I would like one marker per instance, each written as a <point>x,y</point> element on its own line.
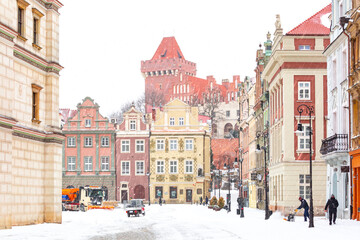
<point>337,142</point>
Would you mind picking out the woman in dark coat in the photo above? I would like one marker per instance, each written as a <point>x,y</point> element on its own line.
<point>332,204</point>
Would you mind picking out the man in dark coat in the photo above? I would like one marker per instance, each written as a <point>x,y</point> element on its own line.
<point>305,206</point>
<point>332,204</point>
<point>206,200</point>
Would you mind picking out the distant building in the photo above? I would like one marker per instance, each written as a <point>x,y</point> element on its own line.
<point>179,154</point>
<point>89,149</point>
<point>335,145</point>
<point>296,75</point>
<point>30,137</point>
<point>132,157</point>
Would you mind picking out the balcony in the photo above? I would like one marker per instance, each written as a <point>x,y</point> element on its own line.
<point>335,143</point>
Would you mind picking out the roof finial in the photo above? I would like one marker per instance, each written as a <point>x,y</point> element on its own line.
<point>278,23</point>
<point>268,35</point>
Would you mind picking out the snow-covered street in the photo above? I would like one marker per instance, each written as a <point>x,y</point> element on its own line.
<point>182,222</point>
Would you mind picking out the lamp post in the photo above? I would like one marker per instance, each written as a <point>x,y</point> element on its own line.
<point>229,195</point>
<point>258,151</point>
<point>148,174</point>
<point>310,110</point>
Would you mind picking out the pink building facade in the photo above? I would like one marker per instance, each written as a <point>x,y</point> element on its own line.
<point>89,149</point>
<point>132,157</point>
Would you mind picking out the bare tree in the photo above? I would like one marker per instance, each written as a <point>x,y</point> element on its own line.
<point>139,104</point>
<point>154,98</point>
<point>211,104</point>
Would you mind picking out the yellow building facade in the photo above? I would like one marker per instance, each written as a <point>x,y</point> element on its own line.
<point>179,155</point>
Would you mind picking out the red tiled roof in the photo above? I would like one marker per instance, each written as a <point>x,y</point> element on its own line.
<point>313,25</point>
<point>201,86</point>
<point>168,48</point>
<point>223,148</point>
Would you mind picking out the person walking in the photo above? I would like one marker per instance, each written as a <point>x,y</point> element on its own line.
<point>160,201</point>
<point>332,204</point>
<point>305,206</point>
<point>201,200</point>
<point>206,200</point>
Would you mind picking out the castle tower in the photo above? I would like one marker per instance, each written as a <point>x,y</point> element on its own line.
<point>166,68</point>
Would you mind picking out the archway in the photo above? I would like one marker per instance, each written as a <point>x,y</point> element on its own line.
<point>228,128</point>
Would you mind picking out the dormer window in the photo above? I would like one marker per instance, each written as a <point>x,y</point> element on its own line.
<point>304,47</point>
<point>87,122</point>
<point>132,125</point>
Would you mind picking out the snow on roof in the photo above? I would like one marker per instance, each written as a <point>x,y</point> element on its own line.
<point>315,25</point>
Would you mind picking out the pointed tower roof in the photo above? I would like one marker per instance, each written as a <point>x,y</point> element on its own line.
<point>168,48</point>
<point>315,25</point>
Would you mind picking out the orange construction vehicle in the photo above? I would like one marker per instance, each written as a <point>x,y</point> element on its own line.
<point>84,198</point>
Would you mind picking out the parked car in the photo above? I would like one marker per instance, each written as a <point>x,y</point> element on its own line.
<point>135,208</point>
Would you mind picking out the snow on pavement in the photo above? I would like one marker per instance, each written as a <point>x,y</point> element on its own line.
<point>183,222</point>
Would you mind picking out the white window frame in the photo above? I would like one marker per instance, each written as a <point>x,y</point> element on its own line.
<point>87,122</point>
<point>173,167</point>
<point>304,47</point>
<point>71,142</point>
<point>125,144</point>
<point>125,168</point>
<point>160,144</point>
<point>71,163</point>
<point>140,144</point>
<point>173,144</point>
<point>189,144</point>
<point>88,164</point>
<point>139,170</point>
<point>172,121</point>
<point>181,121</point>
<point>189,165</point>
<point>160,167</point>
<point>304,89</point>
<point>132,123</point>
<point>304,138</point>
<point>304,186</point>
<point>105,163</point>
<point>105,141</point>
<point>88,142</point>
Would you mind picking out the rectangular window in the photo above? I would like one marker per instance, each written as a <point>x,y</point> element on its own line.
<point>304,47</point>
<point>304,186</point>
<point>140,166</point>
<point>104,163</point>
<point>173,144</point>
<point>88,141</point>
<point>173,192</point>
<point>140,146</point>
<point>238,113</point>
<point>36,102</point>
<point>304,140</point>
<point>88,166</point>
<point>181,121</point>
<point>125,146</point>
<point>173,166</point>
<point>188,144</point>
<point>172,121</point>
<point>160,167</point>
<point>105,141</point>
<point>188,166</point>
<point>125,168</point>
<point>21,21</point>
<point>227,113</point>
<point>36,31</point>
<point>132,125</point>
<point>304,91</point>
<point>71,141</point>
<point>158,192</point>
<point>160,145</point>
<point>87,122</point>
<point>71,163</point>
<point>199,191</point>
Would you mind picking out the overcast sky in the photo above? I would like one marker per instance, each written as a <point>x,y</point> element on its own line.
<point>103,42</point>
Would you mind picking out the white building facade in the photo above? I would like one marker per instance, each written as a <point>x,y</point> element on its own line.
<point>335,147</point>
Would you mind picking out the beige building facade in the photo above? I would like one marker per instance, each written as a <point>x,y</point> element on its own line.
<point>30,137</point>
<point>179,154</point>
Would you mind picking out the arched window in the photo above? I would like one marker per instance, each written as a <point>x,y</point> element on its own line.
<point>177,89</point>
<point>228,128</point>
<point>180,88</point>
<point>188,88</point>
<point>174,89</point>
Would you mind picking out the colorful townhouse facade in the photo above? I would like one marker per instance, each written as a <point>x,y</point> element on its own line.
<point>89,149</point>
<point>296,75</point>
<point>179,154</point>
<point>30,137</point>
<point>335,147</point>
<point>354,91</point>
<point>132,156</point>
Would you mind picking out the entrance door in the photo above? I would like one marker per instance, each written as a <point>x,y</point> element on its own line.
<point>188,195</point>
<point>124,196</point>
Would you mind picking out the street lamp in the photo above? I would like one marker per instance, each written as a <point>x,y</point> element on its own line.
<point>148,174</point>
<point>258,151</point>
<point>310,110</point>
<point>229,195</point>
<point>241,199</point>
